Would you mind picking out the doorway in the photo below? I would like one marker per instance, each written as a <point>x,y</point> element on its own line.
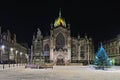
<point>60,60</point>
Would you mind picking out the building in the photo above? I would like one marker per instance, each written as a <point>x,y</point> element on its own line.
<point>10,50</point>
<point>113,49</point>
<point>61,48</point>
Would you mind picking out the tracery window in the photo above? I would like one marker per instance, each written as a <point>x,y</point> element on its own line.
<point>60,41</point>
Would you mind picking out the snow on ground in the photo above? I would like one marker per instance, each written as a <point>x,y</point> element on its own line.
<point>60,73</point>
<point>112,69</point>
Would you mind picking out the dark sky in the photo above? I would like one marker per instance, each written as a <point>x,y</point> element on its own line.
<point>99,20</point>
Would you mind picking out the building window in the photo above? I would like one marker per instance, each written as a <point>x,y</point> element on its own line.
<point>46,53</point>
<point>60,41</point>
<point>46,48</point>
<point>74,52</point>
<point>82,48</point>
<point>82,53</point>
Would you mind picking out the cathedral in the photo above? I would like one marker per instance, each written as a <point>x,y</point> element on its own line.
<point>60,47</point>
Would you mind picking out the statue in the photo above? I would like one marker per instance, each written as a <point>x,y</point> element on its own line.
<point>38,32</point>
<point>8,36</point>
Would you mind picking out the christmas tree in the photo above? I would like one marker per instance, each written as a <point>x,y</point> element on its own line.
<point>102,60</point>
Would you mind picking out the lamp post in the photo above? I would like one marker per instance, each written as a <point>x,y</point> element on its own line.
<point>16,57</point>
<point>9,58</point>
<point>88,54</point>
<point>3,47</point>
<point>12,55</point>
<point>21,57</point>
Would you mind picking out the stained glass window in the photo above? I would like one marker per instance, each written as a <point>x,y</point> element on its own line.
<point>60,41</point>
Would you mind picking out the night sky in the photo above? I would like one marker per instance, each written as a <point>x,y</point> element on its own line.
<point>101,21</point>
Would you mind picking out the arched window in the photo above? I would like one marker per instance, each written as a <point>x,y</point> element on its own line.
<point>82,53</point>
<point>82,48</point>
<point>46,50</point>
<point>60,41</point>
<point>74,52</point>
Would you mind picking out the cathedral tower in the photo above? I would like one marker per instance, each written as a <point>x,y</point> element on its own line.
<point>60,42</point>
<point>60,47</point>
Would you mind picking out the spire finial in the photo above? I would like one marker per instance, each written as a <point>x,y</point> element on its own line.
<point>60,12</point>
<point>78,36</point>
<point>86,35</point>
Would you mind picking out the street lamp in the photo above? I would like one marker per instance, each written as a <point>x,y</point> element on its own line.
<point>3,47</point>
<point>88,54</point>
<point>16,57</point>
<point>9,56</point>
<point>11,49</point>
<point>21,57</point>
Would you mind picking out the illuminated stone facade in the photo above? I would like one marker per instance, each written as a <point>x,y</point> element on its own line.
<point>113,49</point>
<point>61,48</point>
<point>13,52</point>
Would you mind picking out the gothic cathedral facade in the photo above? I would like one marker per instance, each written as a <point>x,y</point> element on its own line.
<point>60,47</point>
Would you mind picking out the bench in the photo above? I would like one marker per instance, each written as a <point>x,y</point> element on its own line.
<point>49,66</point>
<point>30,66</point>
<point>33,66</point>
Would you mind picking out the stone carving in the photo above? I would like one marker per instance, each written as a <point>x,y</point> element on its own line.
<point>38,32</point>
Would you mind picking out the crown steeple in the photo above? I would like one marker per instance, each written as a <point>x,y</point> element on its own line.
<point>60,21</point>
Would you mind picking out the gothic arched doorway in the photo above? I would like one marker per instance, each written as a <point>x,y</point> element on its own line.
<point>60,60</point>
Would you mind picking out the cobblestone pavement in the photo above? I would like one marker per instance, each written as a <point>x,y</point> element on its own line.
<point>58,73</point>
